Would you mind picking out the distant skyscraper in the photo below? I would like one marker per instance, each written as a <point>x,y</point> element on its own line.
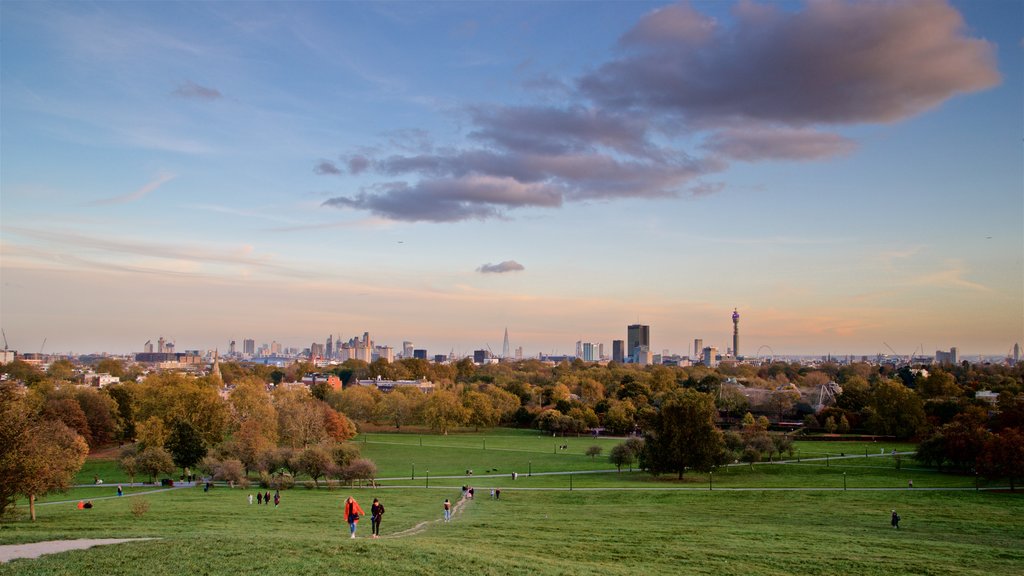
<point>1016,354</point>
<point>504,346</point>
<point>637,336</point>
<point>231,348</point>
<point>710,356</point>
<point>249,347</point>
<point>161,345</point>
<point>735,333</point>
<point>618,351</point>
<point>589,352</point>
<point>942,357</point>
<point>329,348</point>
<point>519,352</point>
<point>420,353</point>
<point>698,348</point>
<point>148,348</point>
<point>408,350</point>
<point>579,348</point>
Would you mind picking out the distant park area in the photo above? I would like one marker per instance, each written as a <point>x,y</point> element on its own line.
<point>824,510</point>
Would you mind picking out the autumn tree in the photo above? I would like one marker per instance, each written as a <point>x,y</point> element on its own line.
<point>594,451</point>
<point>442,411</point>
<point>1003,456</point>
<point>37,456</point>
<point>316,461</point>
<point>358,402</point>
<point>480,411</point>
<point>154,461</point>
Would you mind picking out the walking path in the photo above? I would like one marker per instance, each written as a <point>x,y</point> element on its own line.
<point>35,550</point>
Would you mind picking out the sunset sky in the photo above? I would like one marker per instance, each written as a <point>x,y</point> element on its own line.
<point>846,175</point>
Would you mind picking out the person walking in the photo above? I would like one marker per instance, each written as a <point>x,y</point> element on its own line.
<point>250,499</point>
<point>895,520</point>
<point>352,514</point>
<point>277,498</point>
<point>376,511</point>
<point>266,497</point>
<point>120,492</point>
<point>447,510</point>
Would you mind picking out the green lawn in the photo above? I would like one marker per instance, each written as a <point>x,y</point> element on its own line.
<point>609,524</point>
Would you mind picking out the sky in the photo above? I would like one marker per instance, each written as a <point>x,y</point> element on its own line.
<point>848,176</point>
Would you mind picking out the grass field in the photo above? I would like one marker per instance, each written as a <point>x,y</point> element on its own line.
<point>608,524</point>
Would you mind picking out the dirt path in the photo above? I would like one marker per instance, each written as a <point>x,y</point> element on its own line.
<point>456,510</point>
<point>36,549</point>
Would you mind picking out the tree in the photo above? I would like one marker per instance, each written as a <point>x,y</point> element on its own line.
<point>1003,456</point>
<point>620,455</point>
<point>37,456</point>
<point>101,412</point>
<point>154,461</point>
<point>129,463</point>
<point>358,402</point>
<point>684,435</point>
<point>53,454</point>
<point>443,411</point>
<point>895,410</point>
<point>315,461</point>
<point>361,469</point>
<point>68,412</point>
<point>479,409</point>
<point>185,445</point>
<point>594,451</point>
<point>844,425</point>
<point>230,471</point>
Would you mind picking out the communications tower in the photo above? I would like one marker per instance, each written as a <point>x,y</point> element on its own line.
<point>735,334</point>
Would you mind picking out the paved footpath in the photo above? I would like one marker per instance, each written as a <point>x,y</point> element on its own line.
<point>35,550</point>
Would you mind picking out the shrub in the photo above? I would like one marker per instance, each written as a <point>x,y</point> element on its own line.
<point>139,506</point>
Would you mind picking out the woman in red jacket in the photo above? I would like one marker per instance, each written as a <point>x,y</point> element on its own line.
<point>352,514</point>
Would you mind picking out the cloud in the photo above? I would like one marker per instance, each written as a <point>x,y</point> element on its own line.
<point>501,268</point>
<point>450,199</point>
<point>686,96</point>
<point>194,91</point>
<point>755,144</point>
<point>833,62</point>
<point>326,167</point>
<point>160,180</point>
<point>358,164</point>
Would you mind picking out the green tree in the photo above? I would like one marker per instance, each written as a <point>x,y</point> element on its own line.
<point>684,436</point>
<point>620,455</point>
<point>185,445</point>
<point>895,410</point>
<point>594,451</point>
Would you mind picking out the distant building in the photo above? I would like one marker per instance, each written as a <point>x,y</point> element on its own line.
<point>249,347</point>
<point>332,380</point>
<point>389,385</point>
<point>407,350</point>
<point>420,353</point>
<point>637,335</point>
<point>439,358</point>
<point>710,356</point>
<point>698,347</point>
<point>618,351</point>
<point>590,352</point>
<point>950,357</point>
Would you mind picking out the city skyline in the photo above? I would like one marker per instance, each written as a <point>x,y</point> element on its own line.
<point>437,172</point>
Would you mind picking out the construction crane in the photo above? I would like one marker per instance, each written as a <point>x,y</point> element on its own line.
<point>5,339</point>
<point>43,345</point>
<point>894,353</point>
